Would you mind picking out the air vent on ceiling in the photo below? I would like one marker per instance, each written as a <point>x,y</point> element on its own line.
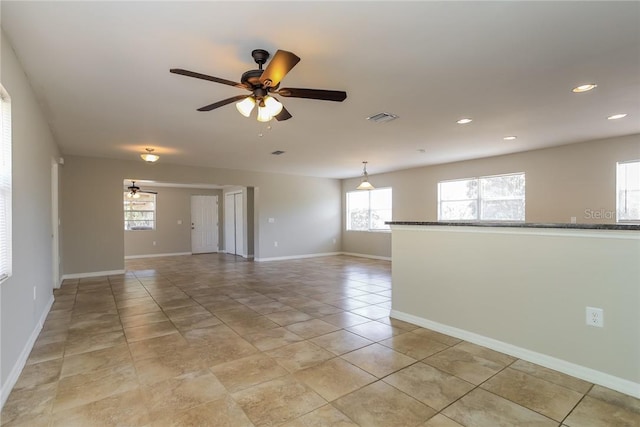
<point>382,117</point>
<point>278,152</point>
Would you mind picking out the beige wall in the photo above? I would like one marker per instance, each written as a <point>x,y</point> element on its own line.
<point>93,222</point>
<point>529,289</point>
<point>561,182</point>
<point>172,204</point>
<point>34,150</point>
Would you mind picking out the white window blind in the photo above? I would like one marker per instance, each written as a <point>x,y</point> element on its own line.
<point>5,184</point>
<point>139,211</point>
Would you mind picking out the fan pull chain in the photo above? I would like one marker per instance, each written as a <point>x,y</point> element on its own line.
<point>265,127</point>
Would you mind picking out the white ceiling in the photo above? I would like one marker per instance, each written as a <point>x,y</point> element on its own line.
<point>101,73</point>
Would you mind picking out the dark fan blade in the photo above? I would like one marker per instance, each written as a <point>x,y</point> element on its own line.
<point>222,103</point>
<point>283,115</point>
<point>206,77</point>
<point>278,67</point>
<point>147,192</point>
<point>326,95</point>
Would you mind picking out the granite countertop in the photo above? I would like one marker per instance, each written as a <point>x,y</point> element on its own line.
<point>522,225</point>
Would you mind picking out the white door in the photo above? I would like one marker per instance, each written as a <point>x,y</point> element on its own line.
<point>239,224</point>
<point>229,223</point>
<point>204,224</point>
<point>233,224</point>
<point>55,225</point>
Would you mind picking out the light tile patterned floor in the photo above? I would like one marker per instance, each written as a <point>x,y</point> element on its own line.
<point>215,340</point>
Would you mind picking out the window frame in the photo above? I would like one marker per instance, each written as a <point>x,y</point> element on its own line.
<point>618,220</point>
<point>479,198</point>
<point>387,228</point>
<point>154,212</point>
<point>6,142</point>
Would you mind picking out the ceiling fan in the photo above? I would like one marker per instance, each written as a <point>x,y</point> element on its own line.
<point>135,191</point>
<point>262,84</point>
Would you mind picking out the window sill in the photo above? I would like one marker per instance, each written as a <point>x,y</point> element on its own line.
<point>368,231</point>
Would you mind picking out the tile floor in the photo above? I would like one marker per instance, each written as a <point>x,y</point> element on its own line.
<point>214,340</point>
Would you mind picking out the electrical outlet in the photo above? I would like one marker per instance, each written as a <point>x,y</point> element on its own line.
<point>34,293</point>
<point>595,317</point>
<point>154,243</point>
<point>275,244</point>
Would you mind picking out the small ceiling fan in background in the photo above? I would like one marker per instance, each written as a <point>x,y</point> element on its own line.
<point>135,191</point>
<point>263,84</point>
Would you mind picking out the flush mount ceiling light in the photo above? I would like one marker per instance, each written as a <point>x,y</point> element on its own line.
<point>149,157</point>
<point>617,116</point>
<point>510,138</point>
<point>365,184</point>
<point>464,121</point>
<point>584,88</point>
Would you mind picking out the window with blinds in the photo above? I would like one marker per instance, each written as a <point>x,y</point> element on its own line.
<point>5,184</point>
<point>628,191</point>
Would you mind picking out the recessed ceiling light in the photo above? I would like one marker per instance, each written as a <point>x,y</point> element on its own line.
<point>421,150</point>
<point>464,121</point>
<point>510,138</point>
<point>617,116</point>
<point>584,88</point>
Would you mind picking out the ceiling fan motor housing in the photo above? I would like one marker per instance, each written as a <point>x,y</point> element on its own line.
<point>252,77</point>
<point>260,56</point>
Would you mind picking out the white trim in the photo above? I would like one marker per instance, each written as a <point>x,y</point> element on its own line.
<point>383,258</point>
<point>564,232</point>
<point>157,255</point>
<point>591,375</point>
<point>8,385</point>
<point>92,274</point>
<point>284,258</point>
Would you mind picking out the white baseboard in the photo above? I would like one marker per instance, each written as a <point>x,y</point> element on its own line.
<point>284,258</point>
<point>591,375</point>
<point>92,274</point>
<point>383,258</point>
<point>6,388</point>
<point>157,255</point>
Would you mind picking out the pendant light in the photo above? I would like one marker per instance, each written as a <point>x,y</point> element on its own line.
<point>365,184</point>
<point>149,157</point>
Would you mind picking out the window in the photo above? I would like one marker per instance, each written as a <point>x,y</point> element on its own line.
<point>5,184</point>
<point>488,198</point>
<point>628,191</point>
<point>368,210</point>
<point>139,211</point>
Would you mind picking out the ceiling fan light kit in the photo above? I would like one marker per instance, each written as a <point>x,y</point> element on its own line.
<point>149,157</point>
<point>261,83</point>
<point>365,184</point>
<point>245,107</point>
